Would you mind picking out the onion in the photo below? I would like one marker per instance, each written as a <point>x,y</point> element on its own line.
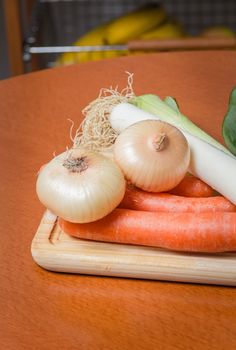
<point>80,185</point>
<point>153,155</point>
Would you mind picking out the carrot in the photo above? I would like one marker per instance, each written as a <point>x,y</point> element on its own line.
<point>165,202</point>
<point>191,186</point>
<point>205,232</point>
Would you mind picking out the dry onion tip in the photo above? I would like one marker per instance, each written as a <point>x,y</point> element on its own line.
<point>153,155</point>
<point>80,185</point>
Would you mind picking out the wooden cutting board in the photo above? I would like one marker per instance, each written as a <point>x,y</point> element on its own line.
<point>54,250</point>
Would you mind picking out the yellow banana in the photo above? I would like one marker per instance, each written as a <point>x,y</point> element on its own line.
<point>218,31</point>
<point>118,31</point>
<point>93,37</point>
<point>66,59</point>
<point>135,23</point>
<point>100,55</point>
<point>169,30</point>
<point>113,53</point>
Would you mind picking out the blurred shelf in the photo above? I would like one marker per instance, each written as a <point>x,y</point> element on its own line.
<point>34,26</point>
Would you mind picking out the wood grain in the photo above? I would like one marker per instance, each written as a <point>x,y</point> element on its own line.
<point>54,250</point>
<point>43,310</point>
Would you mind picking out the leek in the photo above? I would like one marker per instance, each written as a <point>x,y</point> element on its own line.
<point>229,123</point>
<point>169,112</point>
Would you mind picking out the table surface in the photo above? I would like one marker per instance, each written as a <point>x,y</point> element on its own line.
<point>44,310</point>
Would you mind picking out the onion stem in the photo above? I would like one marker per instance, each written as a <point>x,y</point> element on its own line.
<point>160,142</point>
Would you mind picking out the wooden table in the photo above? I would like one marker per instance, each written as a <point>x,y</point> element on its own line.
<point>43,310</point>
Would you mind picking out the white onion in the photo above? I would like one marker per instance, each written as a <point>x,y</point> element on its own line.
<point>153,155</point>
<point>80,185</point>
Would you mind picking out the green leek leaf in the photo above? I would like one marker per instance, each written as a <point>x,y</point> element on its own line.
<point>171,101</point>
<point>229,123</point>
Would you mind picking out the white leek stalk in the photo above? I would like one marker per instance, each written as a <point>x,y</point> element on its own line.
<point>213,166</point>
<point>210,161</point>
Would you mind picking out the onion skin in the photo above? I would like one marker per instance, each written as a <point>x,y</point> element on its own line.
<point>149,160</point>
<point>84,196</point>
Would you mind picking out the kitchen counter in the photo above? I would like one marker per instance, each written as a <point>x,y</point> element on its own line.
<point>43,310</point>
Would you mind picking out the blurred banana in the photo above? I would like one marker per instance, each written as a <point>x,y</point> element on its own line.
<point>147,22</point>
<point>218,31</point>
<point>169,30</point>
<point>95,36</point>
<point>100,55</point>
<point>66,59</point>
<point>130,26</point>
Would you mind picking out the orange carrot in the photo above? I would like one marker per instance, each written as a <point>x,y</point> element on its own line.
<point>165,202</point>
<point>205,232</point>
<point>191,186</point>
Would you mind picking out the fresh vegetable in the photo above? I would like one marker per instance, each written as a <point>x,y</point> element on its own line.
<point>205,232</point>
<point>209,161</point>
<point>80,185</point>
<point>137,199</point>
<point>229,123</point>
<point>153,155</point>
<point>154,105</point>
<point>191,186</point>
